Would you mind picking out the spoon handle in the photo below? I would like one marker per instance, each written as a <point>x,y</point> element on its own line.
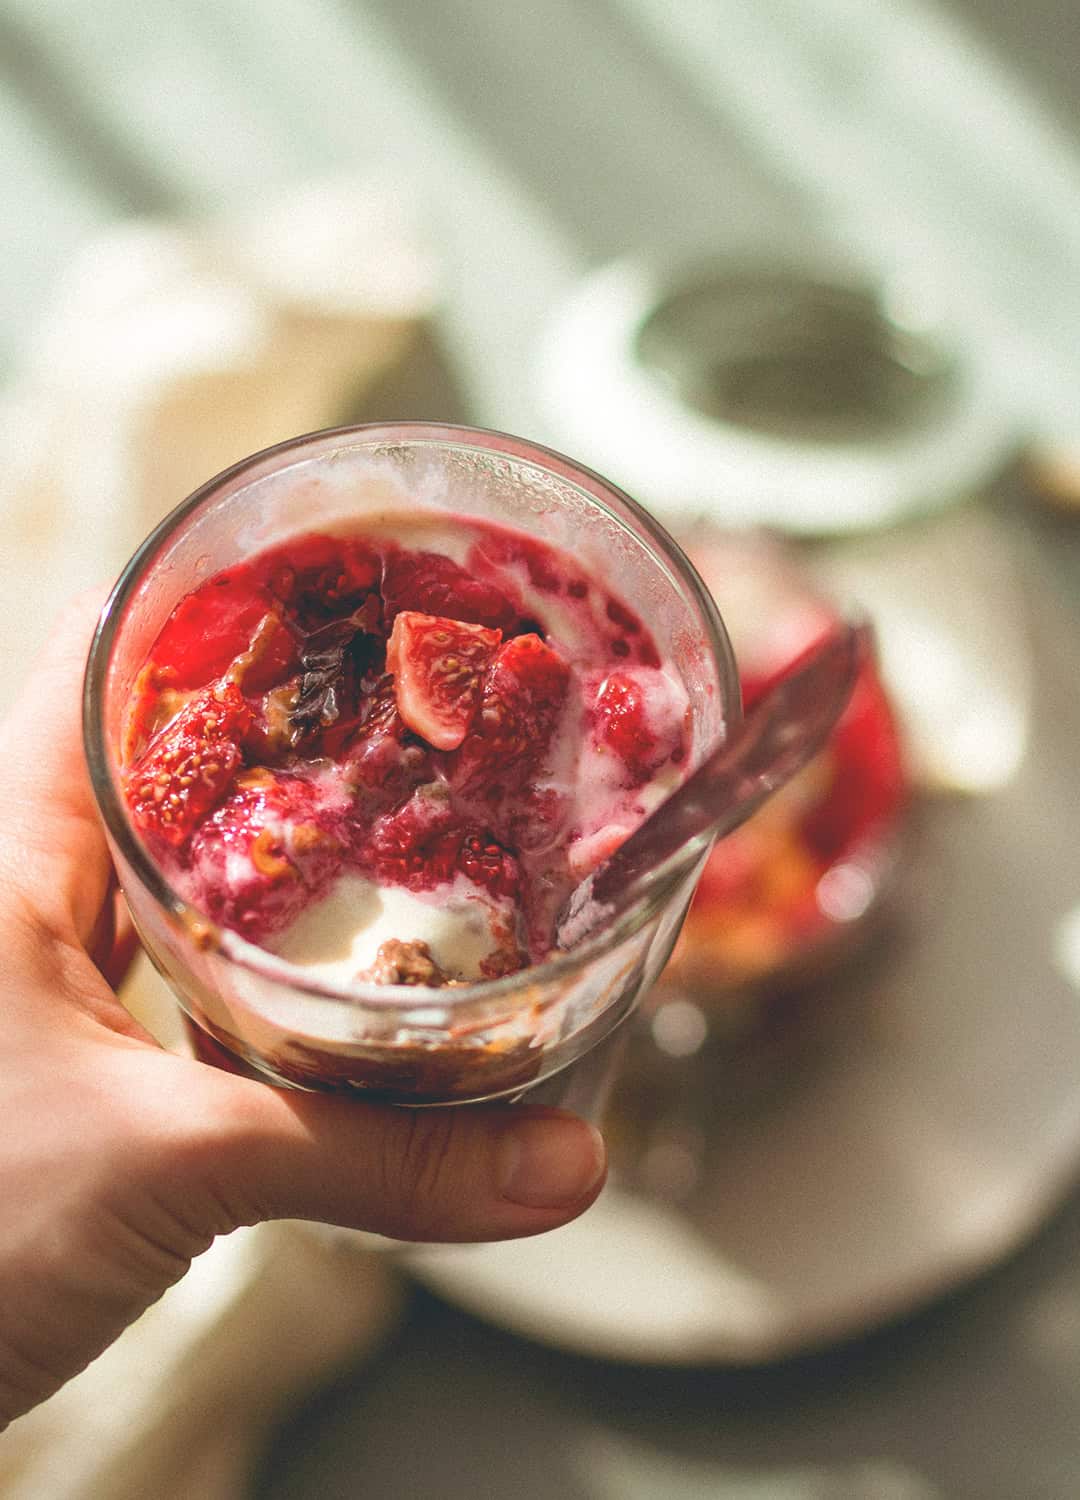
<point>784,730</point>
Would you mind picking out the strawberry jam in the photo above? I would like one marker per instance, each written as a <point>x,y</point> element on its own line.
<point>388,756</point>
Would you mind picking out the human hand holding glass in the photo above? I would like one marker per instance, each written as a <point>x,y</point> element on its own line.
<point>120,1162</point>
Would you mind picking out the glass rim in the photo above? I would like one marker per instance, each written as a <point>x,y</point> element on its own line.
<point>240,951</point>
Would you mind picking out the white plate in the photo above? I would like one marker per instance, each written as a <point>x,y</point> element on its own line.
<point>935,1127</point>
<point>921,1157</point>
<point>603,404</point>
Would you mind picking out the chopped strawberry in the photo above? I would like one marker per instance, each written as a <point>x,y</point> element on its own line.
<point>423,844</point>
<point>435,585</point>
<point>217,623</point>
<point>268,849</point>
<point>622,724</point>
<point>189,764</point>
<point>438,667</point>
<point>636,717</point>
<point>416,845</point>
<point>524,691</point>
<point>486,863</point>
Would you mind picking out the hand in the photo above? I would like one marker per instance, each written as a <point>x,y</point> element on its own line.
<point>120,1162</point>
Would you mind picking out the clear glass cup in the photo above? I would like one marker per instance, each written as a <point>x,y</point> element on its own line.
<point>483,1041</point>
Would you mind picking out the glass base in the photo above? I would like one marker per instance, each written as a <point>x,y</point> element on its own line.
<point>582,1086</point>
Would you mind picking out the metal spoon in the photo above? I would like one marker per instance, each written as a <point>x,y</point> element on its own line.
<point>784,730</point>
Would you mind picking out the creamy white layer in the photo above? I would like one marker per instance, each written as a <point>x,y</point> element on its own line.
<point>339,936</point>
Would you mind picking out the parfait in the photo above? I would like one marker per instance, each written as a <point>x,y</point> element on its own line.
<point>387,755</point>
<point>359,714</point>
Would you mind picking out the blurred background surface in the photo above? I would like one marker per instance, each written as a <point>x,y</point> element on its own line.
<point>232,220</point>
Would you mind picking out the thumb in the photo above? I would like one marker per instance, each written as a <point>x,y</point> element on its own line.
<point>465,1173</point>
<point>52,845</point>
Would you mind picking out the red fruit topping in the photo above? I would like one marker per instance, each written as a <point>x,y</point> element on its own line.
<point>265,852</point>
<point>319,577</point>
<point>438,667</point>
<point>381,756</point>
<point>487,864</point>
<point>211,627</point>
<point>634,718</point>
<point>524,691</point>
<point>409,846</point>
<point>622,725</point>
<point>435,585</point>
<point>501,548</point>
<point>422,844</point>
<point>363,705</point>
<point>188,765</point>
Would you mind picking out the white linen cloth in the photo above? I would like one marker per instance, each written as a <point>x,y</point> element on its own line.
<point>170,350</point>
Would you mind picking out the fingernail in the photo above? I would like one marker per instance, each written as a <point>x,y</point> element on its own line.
<point>549,1161</point>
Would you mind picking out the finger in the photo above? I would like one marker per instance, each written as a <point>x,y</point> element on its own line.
<point>52,848</point>
<point>474,1173</point>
